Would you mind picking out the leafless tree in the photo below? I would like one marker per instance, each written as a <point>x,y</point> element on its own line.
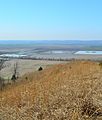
<point>15,72</point>
<point>1,79</point>
<point>1,64</point>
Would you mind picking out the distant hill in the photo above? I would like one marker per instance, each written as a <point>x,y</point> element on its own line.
<point>71,91</point>
<point>53,42</point>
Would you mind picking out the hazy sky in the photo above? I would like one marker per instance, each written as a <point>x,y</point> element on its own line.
<point>51,19</point>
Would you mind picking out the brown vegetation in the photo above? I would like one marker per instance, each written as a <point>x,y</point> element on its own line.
<point>71,91</point>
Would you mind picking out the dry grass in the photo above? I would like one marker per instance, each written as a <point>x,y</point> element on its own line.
<point>62,92</point>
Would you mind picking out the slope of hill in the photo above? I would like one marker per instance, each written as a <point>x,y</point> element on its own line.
<point>71,91</point>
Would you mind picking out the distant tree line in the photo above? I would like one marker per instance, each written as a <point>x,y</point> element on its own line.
<point>41,58</point>
<point>49,59</point>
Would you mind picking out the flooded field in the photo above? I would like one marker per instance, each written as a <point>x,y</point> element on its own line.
<point>89,52</point>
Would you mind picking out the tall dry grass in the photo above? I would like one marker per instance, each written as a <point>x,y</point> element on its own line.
<point>63,92</point>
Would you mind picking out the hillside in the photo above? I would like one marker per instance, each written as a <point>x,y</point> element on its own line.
<point>70,91</point>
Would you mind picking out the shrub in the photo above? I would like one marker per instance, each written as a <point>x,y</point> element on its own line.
<point>40,69</point>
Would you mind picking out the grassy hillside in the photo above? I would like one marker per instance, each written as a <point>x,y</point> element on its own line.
<point>71,91</point>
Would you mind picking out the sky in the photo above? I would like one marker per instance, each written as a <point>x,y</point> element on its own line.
<point>50,19</point>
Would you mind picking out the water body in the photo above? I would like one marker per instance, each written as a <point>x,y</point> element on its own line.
<point>89,52</point>
<point>12,55</point>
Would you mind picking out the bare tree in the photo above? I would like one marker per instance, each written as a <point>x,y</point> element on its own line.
<point>1,79</point>
<point>15,72</point>
<point>1,64</point>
